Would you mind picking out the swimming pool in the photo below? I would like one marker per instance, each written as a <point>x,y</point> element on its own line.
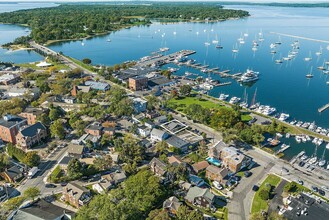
<point>214,161</point>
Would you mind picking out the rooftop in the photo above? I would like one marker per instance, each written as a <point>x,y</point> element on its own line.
<point>159,81</point>
<point>11,120</point>
<point>75,149</point>
<point>200,165</point>
<point>7,77</point>
<point>199,192</point>
<point>177,142</point>
<point>42,210</point>
<point>97,85</point>
<point>32,130</point>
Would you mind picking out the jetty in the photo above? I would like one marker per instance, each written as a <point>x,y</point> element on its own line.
<point>300,37</point>
<point>323,108</point>
<point>282,149</point>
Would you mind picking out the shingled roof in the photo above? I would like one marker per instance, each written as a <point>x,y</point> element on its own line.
<point>32,130</point>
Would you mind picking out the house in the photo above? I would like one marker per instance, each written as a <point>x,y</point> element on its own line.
<point>200,166</point>
<point>69,99</point>
<point>200,197</point>
<point>160,119</point>
<point>184,185</point>
<point>108,181</point>
<point>233,159</point>
<point>137,118</point>
<point>76,89</point>
<point>214,151</point>
<point>76,194</point>
<point>42,210</point>
<point>153,114</point>
<point>171,205</point>
<point>175,160</point>
<point>139,105</point>
<point>217,174</point>
<point>13,174</point>
<point>149,124</point>
<point>75,150</point>
<point>34,93</point>
<point>7,192</point>
<point>143,131</point>
<point>101,86</point>
<point>109,131</point>
<point>88,138</point>
<point>31,135</point>
<point>31,114</point>
<point>178,143</point>
<point>9,78</point>
<point>95,129</point>
<point>138,83</point>
<point>158,135</point>
<point>9,127</point>
<point>158,167</point>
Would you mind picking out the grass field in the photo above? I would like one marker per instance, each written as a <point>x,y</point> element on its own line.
<point>182,103</point>
<point>258,204</point>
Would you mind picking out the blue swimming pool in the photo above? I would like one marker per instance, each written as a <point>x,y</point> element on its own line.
<point>214,161</point>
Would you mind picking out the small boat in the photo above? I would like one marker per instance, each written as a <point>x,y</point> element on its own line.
<point>322,163</point>
<point>319,53</point>
<point>279,135</point>
<point>82,43</point>
<point>223,97</point>
<point>278,61</point>
<point>309,58</point>
<point>188,73</point>
<point>218,46</point>
<point>313,160</point>
<point>206,43</point>
<point>298,139</point>
<point>310,75</point>
<point>284,117</point>
<point>108,40</point>
<point>288,135</point>
<point>293,122</point>
<point>304,157</point>
<point>234,100</point>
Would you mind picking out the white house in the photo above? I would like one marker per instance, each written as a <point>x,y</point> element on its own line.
<point>144,131</point>
<point>158,135</point>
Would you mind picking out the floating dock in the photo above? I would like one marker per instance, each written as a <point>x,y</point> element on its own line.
<point>283,149</point>
<point>323,108</point>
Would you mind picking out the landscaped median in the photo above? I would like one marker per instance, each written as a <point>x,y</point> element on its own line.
<point>260,201</point>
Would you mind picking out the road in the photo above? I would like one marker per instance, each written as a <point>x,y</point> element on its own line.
<point>40,178</point>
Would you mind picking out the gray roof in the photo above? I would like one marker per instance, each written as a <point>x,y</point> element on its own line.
<point>158,81</point>
<point>172,203</point>
<point>157,132</point>
<point>14,171</point>
<point>95,126</point>
<point>42,210</point>
<point>199,192</point>
<point>75,189</point>
<point>32,130</point>
<point>35,111</point>
<point>97,85</point>
<point>177,142</point>
<point>11,121</point>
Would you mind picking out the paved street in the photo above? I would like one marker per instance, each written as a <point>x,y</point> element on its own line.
<point>39,179</point>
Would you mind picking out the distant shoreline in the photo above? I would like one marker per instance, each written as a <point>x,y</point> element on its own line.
<point>288,5</point>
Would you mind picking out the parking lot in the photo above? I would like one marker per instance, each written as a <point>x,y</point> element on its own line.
<point>307,208</point>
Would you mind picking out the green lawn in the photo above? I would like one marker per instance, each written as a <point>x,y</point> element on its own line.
<point>258,204</point>
<point>182,103</point>
<point>246,117</point>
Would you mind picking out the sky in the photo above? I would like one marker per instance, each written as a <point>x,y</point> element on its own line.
<point>264,1</point>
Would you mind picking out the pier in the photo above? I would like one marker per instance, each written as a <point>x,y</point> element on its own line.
<point>299,37</point>
<point>323,108</point>
<point>282,149</point>
<point>166,58</point>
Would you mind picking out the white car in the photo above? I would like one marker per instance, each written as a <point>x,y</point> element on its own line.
<point>217,185</point>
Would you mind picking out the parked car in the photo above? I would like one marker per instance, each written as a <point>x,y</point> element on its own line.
<point>217,185</point>
<point>255,188</point>
<point>50,185</point>
<point>300,182</point>
<point>321,192</point>
<point>315,189</point>
<point>247,173</point>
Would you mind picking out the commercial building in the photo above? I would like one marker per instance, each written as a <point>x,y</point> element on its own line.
<point>9,127</point>
<point>137,83</point>
<point>31,114</point>
<point>31,135</point>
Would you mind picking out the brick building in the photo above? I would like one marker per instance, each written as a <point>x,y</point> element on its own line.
<point>9,127</point>
<point>31,114</point>
<point>137,83</point>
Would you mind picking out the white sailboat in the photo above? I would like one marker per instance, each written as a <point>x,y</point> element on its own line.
<point>216,40</point>
<point>310,75</point>
<point>309,58</point>
<point>319,53</point>
<point>235,49</point>
<point>253,104</point>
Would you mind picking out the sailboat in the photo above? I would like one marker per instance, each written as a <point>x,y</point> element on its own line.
<point>207,42</point>
<point>279,61</point>
<point>235,49</point>
<point>279,42</point>
<point>216,40</point>
<point>219,46</point>
<point>310,75</point>
<point>319,53</point>
<point>323,161</point>
<point>314,158</point>
<point>244,104</point>
<point>261,38</point>
<point>323,67</point>
<point>309,58</point>
<point>254,105</point>
<point>109,40</point>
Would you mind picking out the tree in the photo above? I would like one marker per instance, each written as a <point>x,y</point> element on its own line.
<point>4,161</point>
<point>264,194</point>
<point>54,113</point>
<point>31,193</point>
<point>290,187</point>
<point>276,216</point>
<point>152,102</point>
<point>203,148</point>
<point>160,147</point>
<point>158,214</point>
<point>57,129</point>
<point>174,93</point>
<point>184,213</point>
<point>86,61</point>
<point>257,216</point>
<point>225,118</point>
<point>74,169</point>
<point>13,203</point>
<point>103,163</point>
<point>185,90</point>
<point>32,159</point>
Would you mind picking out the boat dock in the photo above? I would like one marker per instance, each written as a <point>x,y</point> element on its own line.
<point>282,149</point>
<point>224,84</point>
<point>165,59</point>
<point>323,108</point>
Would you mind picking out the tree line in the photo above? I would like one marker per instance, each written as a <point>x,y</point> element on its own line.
<point>79,21</point>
